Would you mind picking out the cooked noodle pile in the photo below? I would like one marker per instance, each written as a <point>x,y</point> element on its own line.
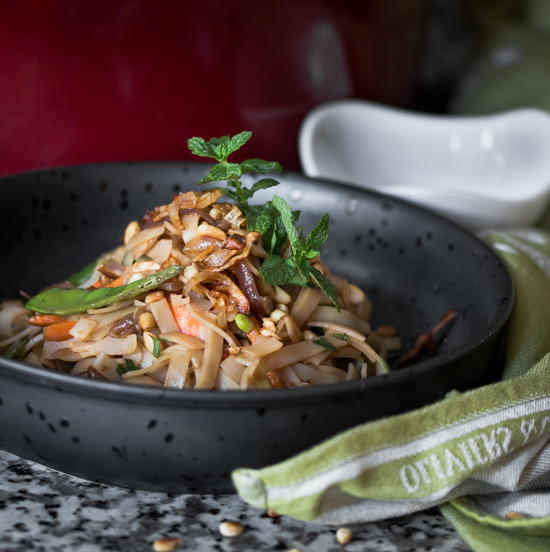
<point>211,323</point>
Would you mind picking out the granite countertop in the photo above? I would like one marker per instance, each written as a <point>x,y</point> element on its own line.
<point>44,510</point>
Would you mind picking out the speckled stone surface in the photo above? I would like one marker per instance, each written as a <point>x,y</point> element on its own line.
<point>44,510</point>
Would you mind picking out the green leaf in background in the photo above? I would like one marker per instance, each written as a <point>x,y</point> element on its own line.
<point>200,147</point>
<point>260,166</point>
<point>73,301</point>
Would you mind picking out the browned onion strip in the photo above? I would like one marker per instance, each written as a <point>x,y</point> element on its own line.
<point>221,282</point>
<point>260,305</point>
<point>202,214</point>
<point>428,340</point>
<point>251,237</point>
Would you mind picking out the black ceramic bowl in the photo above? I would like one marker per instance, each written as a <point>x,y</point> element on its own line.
<point>413,264</point>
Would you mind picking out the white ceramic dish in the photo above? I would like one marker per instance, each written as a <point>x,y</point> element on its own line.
<point>487,171</point>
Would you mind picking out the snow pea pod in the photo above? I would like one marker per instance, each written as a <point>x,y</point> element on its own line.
<point>82,275</point>
<point>73,301</point>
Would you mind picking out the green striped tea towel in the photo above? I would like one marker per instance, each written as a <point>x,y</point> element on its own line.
<point>484,455</point>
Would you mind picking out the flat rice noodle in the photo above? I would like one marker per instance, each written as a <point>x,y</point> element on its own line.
<point>145,236</point>
<point>213,351</point>
<point>82,366</point>
<point>106,366</point>
<point>344,317</point>
<point>10,314</point>
<point>27,332</point>
<point>290,377</point>
<point>190,227</point>
<point>232,368</point>
<point>340,375</point>
<point>186,341</point>
<point>262,346</point>
<point>208,324</point>
<point>352,372</point>
<point>83,328</point>
<point>206,229</point>
<point>145,380</point>
<point>291,354</point>
<point>157,364</point>
<point>163,316</point>
<point>38,338</point>
<point>161,251</point>
<point>294,332</point>
<point>225,383</point>
<point>33,358</point>
<point>178,369</point>
<point>313,375</point>
<point>112,346</point>
<point>338,329</point>
<point>346,352</point>
<point>105,321</point>
<point>304,305</point>
<point>111,308</point>
<point>371,354</point>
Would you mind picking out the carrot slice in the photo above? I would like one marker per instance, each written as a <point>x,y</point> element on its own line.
<point>44,319</point>
<point>59,331</point>
<point>187,324</point>
<point>116,283</point>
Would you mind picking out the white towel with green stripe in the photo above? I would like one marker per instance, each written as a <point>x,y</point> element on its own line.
<point>483,455</point>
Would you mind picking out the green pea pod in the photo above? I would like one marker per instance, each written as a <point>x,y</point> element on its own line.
<point>73,301</point>
<point>82,275</point>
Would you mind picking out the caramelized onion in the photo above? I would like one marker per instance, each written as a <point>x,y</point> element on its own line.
<point>260,305</point>
<point>125,326</point>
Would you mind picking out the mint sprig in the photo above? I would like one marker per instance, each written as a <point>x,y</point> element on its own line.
<point>297,268</point>
<point>220,149</point>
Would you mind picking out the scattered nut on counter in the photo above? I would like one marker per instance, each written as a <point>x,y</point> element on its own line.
<point>343,535</point>
<point>166,545</point>
<point>231,528</point>
<point>273,514</point>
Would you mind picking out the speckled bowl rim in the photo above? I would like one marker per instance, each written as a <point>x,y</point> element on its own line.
<point>252,398</point>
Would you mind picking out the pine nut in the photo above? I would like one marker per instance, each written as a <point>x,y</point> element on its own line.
<point>154,296</point>
<point>231,528</point>
<point>343,535</point>
<point>146,321</point>
<point>165,545</point>
<point>273,514</point>
<point>131,230</point>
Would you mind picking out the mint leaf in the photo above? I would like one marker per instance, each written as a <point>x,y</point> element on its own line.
<point>259,218</point>
<point>238,141</point>
<point>288,222</point>
<point>200,147</point>
<point>318,236</point>
<point>263,184</point>
<point>325,286</point>
<point>260,166</point>
<point>278,271</point>
<point>324,343</point>
<point>222,171</point>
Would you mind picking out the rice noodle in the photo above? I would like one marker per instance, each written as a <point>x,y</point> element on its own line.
<point>216,325</point>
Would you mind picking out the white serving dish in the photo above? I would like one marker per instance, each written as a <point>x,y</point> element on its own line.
<point>485,171</point>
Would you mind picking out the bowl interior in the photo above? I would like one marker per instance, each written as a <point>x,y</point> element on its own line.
<point>413,264</point>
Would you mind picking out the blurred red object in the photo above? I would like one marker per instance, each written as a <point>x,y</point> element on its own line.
<point>132,79</point>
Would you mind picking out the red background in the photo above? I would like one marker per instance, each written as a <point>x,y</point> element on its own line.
<point>86,81</point>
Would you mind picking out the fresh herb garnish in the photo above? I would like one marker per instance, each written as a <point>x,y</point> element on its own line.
<point>324,343</point>
<point>73,301</point>
<point>274,220</point>
<point>297,268</point>
<point>128,366</point>
<point>341,337</point>
<point>220,149</point>
<point>157,346</point>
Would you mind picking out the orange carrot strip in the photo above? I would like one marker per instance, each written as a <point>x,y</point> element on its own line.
<point>187,324</point>
<point>116,283</point>
<point>44,319</point>
<point>59,331</point>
